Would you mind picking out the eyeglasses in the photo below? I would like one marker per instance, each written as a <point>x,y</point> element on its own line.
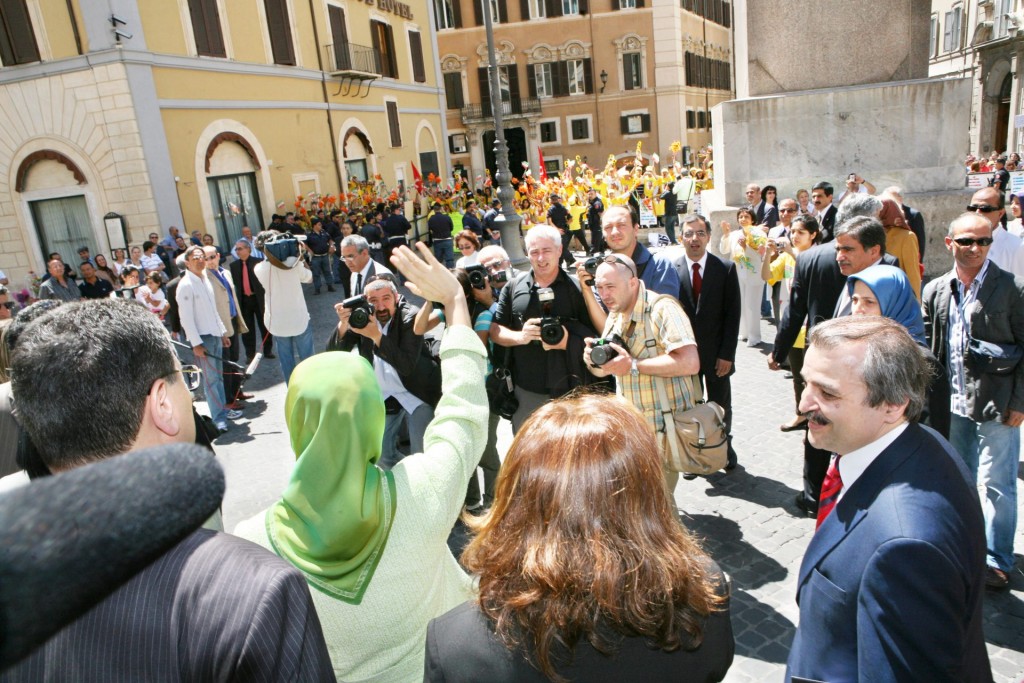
<point>212,258</point>
<point>982,208</point>
<point>615,258</point>
<point>970,241</point>
<point>464,247</point>
<point>9,305</point>
<point>689,234</point>
<point>787,210</point>
<point>494,266</point>
<point>193,376</point>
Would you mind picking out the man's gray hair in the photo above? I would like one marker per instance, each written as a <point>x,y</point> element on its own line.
<point>895,367</point>
<point>543,232</point>
<point>357,241</point>
<point>493,250</point>
<point>380,282</point>
<point>967,217</point>
<point>868,232</point>
<point>858,204</point>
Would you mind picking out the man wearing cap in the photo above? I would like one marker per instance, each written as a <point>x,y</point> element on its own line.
<point>440,226</point>
<point>470,220</point>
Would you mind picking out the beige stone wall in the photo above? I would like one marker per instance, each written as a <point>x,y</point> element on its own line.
<point>88,116</point>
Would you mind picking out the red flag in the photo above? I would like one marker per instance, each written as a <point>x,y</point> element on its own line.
<point>543,171</point>
<point>417,178</point>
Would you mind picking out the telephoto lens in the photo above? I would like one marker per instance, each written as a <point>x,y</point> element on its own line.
<point>601,351</point>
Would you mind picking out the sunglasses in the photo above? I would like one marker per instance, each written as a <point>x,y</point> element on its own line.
<point>970,241</point>
<point>983,208</point>
<point>614,258</point>
<point>193,376</point>
<point>9,305</point>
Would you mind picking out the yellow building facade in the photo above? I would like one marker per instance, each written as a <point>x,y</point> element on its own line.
<point>202,114</point>
<point>583,78</point>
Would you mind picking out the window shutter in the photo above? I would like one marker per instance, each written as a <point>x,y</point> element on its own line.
<point>416,48</point>
<point>584,8</point>
<point>503,11</point>
<point>17,41</point>
<point>588,76</point>
<point>531,80</point>
<point>639,4</point>
<point>485,90</point>
<point>280,32</point>
<point>205,28</point>
<point>560,78</point>
<point>375,42</point>
<point>195,10</point>
<point>339,35</point>
<point>524,10</point>
<point>553,7</point>
<point>478,11</point>
<point>394,128</point>
<point>645,122</point>
<point>624,125</point>
<point>457,13</point>
<point>513,81</point>
<point>391,51</point>
<point>453,90</point>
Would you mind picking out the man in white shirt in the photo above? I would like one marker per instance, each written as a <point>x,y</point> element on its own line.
<point>900,528</point>
<point>285,312</point>
<point>1007,251</point>
<point>855,185</point>
<point>355,251</point>
<point>202,326</point>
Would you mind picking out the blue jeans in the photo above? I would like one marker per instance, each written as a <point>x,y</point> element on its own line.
<point>671,220</point>
<point>213,377</point>
<point>289,347</point>
<point>443,252</point>
<point>991,450</point>
<point>321,267</point>
<point>336,266</point>
<point>418,421</point>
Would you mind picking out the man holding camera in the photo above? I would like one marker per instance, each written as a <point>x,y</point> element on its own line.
<point>620,226</point>
<point>542,317</point>
<point>282,275</point>
<point>637,315</point>
<point>380,324</point>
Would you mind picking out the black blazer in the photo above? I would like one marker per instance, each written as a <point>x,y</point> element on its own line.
<point>462,648</point>
<point>916,222</point>
<point>828,224</point>
<point>998,318</point>
<point>236,277</point>
<point>716,317</point>
<point>907,538</point>
<point>401,348</point>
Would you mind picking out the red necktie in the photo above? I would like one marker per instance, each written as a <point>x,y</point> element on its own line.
<point>830,489</point>
<point>246,287</point>
<point>697,282</point>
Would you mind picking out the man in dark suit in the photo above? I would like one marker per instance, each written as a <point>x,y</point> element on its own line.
<point>891,585</point>
<point>754,201</point>
<point>710,294</point>
<point>251,298</point>
<point>818,293</point>
<point>987,401</point>
<point>211,608</point>
<point>821,197</point>
<point>355,253</point>
<point>412,378</point>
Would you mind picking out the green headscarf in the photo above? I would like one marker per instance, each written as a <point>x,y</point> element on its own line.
<point>333,520</point>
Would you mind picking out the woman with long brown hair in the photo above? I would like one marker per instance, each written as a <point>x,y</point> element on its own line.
<point>585,573</point>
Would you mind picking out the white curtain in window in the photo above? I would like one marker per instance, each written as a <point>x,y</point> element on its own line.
<point>63,225</point>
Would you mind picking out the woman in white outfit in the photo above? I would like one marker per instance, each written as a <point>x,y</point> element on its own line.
<point>745,247</point>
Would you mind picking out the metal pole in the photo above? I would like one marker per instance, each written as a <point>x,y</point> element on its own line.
<point>510,221</point>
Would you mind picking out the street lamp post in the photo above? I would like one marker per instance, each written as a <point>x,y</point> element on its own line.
<point>509,220</point>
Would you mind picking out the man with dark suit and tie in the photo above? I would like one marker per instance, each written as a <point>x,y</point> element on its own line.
<point>816,295</point>
<point>214,607</point>
<point>891,585</point>
<point>821,197</point>
<point>755,202</point>
<point>355,252</point>
<point>710,294</point>
<point>251,299</point>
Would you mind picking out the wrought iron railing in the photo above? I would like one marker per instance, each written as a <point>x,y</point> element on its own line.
<point>351,57</point>
<point>515,106</point>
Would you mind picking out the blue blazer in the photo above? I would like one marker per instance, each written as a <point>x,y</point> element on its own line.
<point>892,582</point>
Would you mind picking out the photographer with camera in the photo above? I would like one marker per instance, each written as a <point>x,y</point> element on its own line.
<point>542,317</point>
<point>282,275</point>
<point>380,323</point>
<point>636,317</point>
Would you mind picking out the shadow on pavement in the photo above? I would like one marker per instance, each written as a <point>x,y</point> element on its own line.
<point>763,491</point>
<point>1004,613</point>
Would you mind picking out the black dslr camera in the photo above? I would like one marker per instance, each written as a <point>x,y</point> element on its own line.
<point>362,311</point>
<point>601,350</point>
<point>551,330</point>
<point>477,276</point>
<point>590,265</point>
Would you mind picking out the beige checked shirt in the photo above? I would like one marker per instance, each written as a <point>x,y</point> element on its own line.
<point>671,330</point>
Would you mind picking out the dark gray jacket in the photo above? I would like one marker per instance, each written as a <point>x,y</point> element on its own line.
<point>998,317</point>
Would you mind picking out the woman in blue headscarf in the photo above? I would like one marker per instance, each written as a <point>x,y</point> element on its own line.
<point>886,291</point>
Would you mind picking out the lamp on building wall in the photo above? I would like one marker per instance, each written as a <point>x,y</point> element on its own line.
<point>604,80</point>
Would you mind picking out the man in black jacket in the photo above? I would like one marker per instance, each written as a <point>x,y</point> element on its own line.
<point>251,299</point>
<point>821,196</point>
<point>410,379</point>
<point>710,294</point>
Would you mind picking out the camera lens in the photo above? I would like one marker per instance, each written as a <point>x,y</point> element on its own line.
<point>551,331</point>
<point>359,319</point>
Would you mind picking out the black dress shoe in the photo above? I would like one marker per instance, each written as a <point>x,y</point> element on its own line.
<point>330,288</point>
<point>269,355</point>
<point>689,477</point>
<point>806,506</point>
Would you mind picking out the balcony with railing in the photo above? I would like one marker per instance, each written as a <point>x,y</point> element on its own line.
<point>353,65</point>
<point>511,108</point>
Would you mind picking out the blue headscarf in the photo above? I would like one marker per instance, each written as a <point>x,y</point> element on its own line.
<point>895,297</point>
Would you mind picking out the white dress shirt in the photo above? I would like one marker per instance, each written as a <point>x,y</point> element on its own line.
<point>1007,252</point>
<point>285,313</point>
<point>389,380</point>
<point>197,308</point>
<point>853,464</point>
<point>689,266</point>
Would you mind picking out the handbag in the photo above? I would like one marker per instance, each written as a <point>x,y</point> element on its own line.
<point>993,358</point>
<point>694,440</point>
<point>501,395</point>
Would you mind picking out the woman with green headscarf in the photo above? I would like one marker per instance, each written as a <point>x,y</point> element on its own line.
<point>373,544</point>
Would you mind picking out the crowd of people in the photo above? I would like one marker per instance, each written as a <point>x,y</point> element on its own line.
<point>578,567</point>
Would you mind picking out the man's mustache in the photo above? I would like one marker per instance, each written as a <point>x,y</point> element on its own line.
<point>817,418</point>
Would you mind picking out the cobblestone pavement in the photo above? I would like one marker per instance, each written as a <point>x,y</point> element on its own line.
<point>746,518</point>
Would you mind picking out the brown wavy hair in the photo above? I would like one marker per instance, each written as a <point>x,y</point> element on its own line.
<point>582,542</point>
